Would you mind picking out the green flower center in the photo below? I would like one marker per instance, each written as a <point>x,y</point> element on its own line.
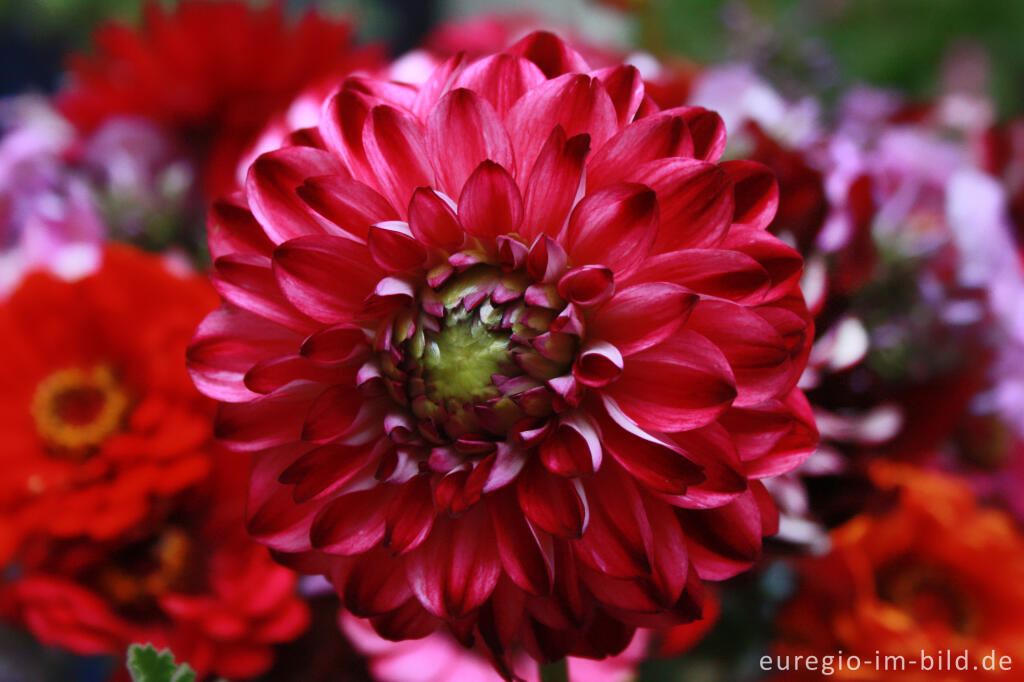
<point>459,361</point>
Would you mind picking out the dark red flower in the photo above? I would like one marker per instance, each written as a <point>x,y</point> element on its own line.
<point>512,350</point>
<point>214,73</point>
<point>99,421</point>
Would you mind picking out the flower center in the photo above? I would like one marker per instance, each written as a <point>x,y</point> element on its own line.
<point>75,409</point>
<point>460,360</point>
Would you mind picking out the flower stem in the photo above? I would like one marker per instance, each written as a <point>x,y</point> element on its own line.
<point>558,671</point>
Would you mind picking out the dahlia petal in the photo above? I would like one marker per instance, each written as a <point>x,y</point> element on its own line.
<point>349,204</point>
<point>457,568</point>
<point>655,137</point>
<point>368,591</point>
<point>490,204</point>
<point>268,375</point>
<point>465,116</point>
<point>410,621</point>
<point>553,503</point>
<point>550,53</point>
<point>326,277</point>
<point>351,524</point>
<point>555,184</point>
<point>695,199</point>
<point>337,344</point>
<point>783,264</point>
<point>396,152</point>
<point>657,464</point>
<point>726,540</point>
<point>794,447</point>
<point>597,364</point>
<point>683,383</point>
<point>265,422</point>
<point>586,287</point>
<point>618,533</point>
<point>332,413</point>
<point>270,189</point>
<point>755,351</point>
<point>440,81</point>
<point>615,227</point>
<point>574,448</point>
<point>500,79</point>
<point>341,124</point>
<point>626,88</point>
<point>248,282</point>
<point>231,228</point>
<point>546,259</point>
<point>641,316</point>
<point>526,554</point>
<point>227,343</point>
<point>325,469</point>
<point>667,553</point>
<point>410,516</point>
<point>708,132</point>
<point>272,516</point>
<point>711,448</point>
<point>713,272</point>
<point>432,220</point>
<point>394,248</point>
<point>578,103</point>
<point>756,193</point>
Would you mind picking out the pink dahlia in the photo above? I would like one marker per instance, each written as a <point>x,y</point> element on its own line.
<point>512,351</point>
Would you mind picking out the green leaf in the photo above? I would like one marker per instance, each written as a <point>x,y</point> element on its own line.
<point>146,664</point>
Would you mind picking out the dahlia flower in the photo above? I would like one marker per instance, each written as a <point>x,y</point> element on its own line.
<point>99,421</point>
<point>214,91</point>
<point>439,657</point>
<point>512,351</point>
<point>934,572</point>
<point>190,580</point>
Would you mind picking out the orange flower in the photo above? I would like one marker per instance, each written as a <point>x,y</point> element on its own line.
<point>99,422</point>
<point>933,573</point>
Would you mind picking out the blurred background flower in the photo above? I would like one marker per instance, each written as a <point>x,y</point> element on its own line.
<point>895,130</point>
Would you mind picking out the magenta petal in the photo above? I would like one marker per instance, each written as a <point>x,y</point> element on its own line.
<point>552,502</point>
<point>598,364</point>
<point>555,184</point>
<point>396,152</point>
<point>232,228</point>
<point>247,281</point>
<point>342,343</point>
<point>526,554</point>
<point>325,469</point>
<point>696,202</point>
<point>574,448</point>
<point>271,374</point>
<point>227,344</point>
<point>433,220</point>
<point>326,277</point>
<point>465,117</point>
<point>490,204</point>
<point>614,227</point>
<point>641,316</point>
<point>657,464</point>
<point>332,413</point>
<point>349,204</point>
<point>351,524</point>
<point>394,248</point>
<point>578,103</point>
<point>501,79</point>
<point>715,272</point>
<point>756,193</point>
<point>683,383</point>
<point>707,131</point>
<point>457,568</point>
<point>410,516</point>
<point>626,88</point>
<point>270,188</point>
<point>654,137</point>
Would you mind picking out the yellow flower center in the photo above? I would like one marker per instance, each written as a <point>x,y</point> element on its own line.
<point>77,409</point>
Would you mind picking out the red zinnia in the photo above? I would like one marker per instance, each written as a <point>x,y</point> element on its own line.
<point>212,72</point>
<point>512,351</point>
<point>99,422</point>
<point>192,581</point>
